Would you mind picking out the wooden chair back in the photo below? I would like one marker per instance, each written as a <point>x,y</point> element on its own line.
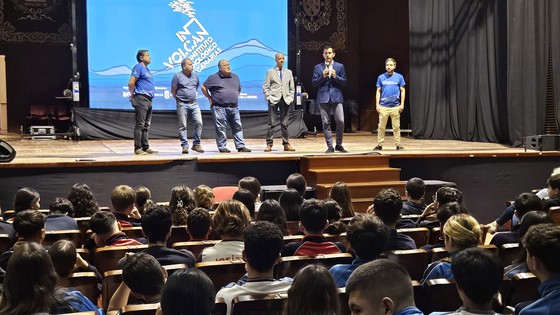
<point>133,231</point>
<point>107,258</point>
<point>140,309</point>
<point>440,252</point>
<point>554,213</point>
<point>83,226</point>
<point>414,260</point>
<point>509,252</point>
<point>85,282</point>
<point>220,307</point>
<point>195,247</point>
<point>441,295</point>
<point>265,304</point>
<point>222,272</point>
<point>289,265</point>
<point>523,287</point>
<point>420,235</point>
<point>435,234</point>
<point>5,242</point>
<point>10,214</point>
<point>293,227</point>
<point>343,296</point>
<point>178,234</point>
<point>74,236</point>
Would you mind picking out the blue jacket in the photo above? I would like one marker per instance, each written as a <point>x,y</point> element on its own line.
<point>330,89</point>
<point>549,303</point>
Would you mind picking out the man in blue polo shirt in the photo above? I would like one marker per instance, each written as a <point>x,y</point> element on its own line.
<point>141,87</point>
<point>222,90</point>
<point>389,102</point>
<point>183,88</point>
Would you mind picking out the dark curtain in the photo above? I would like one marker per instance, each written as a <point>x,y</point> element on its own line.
<point>456,68</point>
<point>534,27</point>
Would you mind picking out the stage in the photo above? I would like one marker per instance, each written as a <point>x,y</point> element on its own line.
<point>487,173</point>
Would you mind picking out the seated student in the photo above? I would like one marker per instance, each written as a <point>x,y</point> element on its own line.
<point>304,296</point>
<point>367,236</point>
<point>7,228</point>
<point>335,227</point>
<point>230,219</point>
<point>542,242</point>
<point>143,199</point>
<point>247,198</point>
<point>272,211</point>
<point>443,195</point>
<point>204,197</point>
<point>254,186</point>
<point>415,189</point>
<point>30,286</point>
<point>263,242</point>
<point>181,203</point>
<point>187,291</point>
<point>313,222</point>
<point>199,224</point>
<point>460,232</point>
<point>143,277</point>
<point>443,214</point>
<point>387,206</point>
<point>156,226</point>
<point>66,260</point>
<point>83,200</point>
<point>340,192</point>
<point>297,181</point>
<point>26,198</point>
<point>123,198</point>
<point>291,200</point>
<point>553,189</point>
<point>30,228</point>
<point>478,275</point>
<point>58,218</point>
<point>107,232</point>
<point>381,287</point>
<point>519,265</point>
<point>524,203</point>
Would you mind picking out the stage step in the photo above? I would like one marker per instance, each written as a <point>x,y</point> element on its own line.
<point>336,161</point>
<point>368,174</point>
<point>362,189</point>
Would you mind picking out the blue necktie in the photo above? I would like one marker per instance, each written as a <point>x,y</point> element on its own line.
<point>280,74</point>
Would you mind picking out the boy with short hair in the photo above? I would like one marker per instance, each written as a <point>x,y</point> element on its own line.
<point>107,232</point>
<point>387,205</point>
<point>123,199</point>
<point>199,224</point>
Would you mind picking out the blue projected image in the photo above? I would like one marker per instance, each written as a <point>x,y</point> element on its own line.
<point>247,33</point>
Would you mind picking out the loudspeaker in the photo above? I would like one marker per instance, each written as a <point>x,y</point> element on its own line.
<point>542,142</point>
<point>7,152</point>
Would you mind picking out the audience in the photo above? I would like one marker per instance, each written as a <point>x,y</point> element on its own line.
<point>524,203</point>
<point>263,243</point>
<point>7,228</point>
<point>187,291</point>
<point>414,190</point>
<point>367,236</point>
<point>272,211</point>
<point>204,197</point>
<point>291,200</point>
<point>334,213</point>
<point>143,277</point>
<point>58,218</point>
<point>443,195</point>
<point>341,194</point>
<point>297,181</point>
<point>460,232</point>
<point>247,198</point>
<point>381,287</point>
<point>553,189</point>
<point>443,214</point>
<point>83,201</point>
<point>26,198</point>
<point>181,203</point>
<point>254,186</point>
<point>30,228</point>
<point>313,222</point>
<point>387,205</point>
<point>199,224</point>
<point>313,291</point>
<point>542,243</point>
<point>230,219</point>
<point>143,199</point>
<point>34,290</point>
<point>66,260</point>
<point>123,198</point>
<point>107,232</point>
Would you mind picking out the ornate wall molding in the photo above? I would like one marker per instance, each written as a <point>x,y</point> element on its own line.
<point>37,21</point>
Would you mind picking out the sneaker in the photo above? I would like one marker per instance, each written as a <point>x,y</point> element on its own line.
<point>378,148</point>
<point>224,150</point>
<point>268,148</point>
<point>185,150</point>
<point>329,150</point>
<point>150,151</point>
<point>197,148</point>
<point>244,149</point>
<point>340,148</point>
<point>140,152</point>
<point>400,147</point>
<point>288,147</point>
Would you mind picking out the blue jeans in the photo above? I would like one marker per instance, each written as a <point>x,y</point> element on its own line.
<point>185,112</point>
<point>143,115</point>
<point>222,117</point>
<point>272,121</point>
<point>338,110</point>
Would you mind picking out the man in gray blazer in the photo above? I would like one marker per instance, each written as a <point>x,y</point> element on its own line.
<point>279,91</point>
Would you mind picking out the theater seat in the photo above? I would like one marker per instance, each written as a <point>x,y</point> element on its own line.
<point>223,193</point>
<point>290,265</point>
<point>140,309</point>
<point>269,304</point>
<point>222,272</point>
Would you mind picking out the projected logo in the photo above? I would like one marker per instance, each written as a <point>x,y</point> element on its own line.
<point>197,44</point>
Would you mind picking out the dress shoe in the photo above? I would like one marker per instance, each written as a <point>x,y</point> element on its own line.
<point>197,148</point>
<point>224,150</point>
<point>400,147</point>
<point>288,147</point>
<point>185,150</point>
<point>268,148</point>
<point>150,151</point>
<point>244,149</point>
<point>377,148</point>
<point>329,150</point>
<point>140,152</point>
<point>340,148</point>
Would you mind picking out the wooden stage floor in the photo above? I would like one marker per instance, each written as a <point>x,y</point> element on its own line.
<point>42,153</point>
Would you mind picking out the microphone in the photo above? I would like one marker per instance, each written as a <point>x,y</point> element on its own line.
<point>328,67</point>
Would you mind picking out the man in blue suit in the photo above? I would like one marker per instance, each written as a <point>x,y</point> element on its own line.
<point>330,77</point>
